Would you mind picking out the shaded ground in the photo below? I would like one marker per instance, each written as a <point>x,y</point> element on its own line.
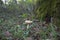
<point>13,28</point>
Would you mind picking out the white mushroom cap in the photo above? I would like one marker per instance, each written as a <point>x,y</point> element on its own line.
<point>28,21</point>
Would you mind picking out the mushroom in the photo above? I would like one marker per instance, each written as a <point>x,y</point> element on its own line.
<point>28,22</point>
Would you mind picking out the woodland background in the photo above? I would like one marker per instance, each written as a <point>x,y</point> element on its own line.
<point>45,15</point>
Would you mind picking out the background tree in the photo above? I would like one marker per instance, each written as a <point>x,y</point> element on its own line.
<point>44,7</point>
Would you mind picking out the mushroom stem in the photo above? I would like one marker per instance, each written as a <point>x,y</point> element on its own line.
<point>27,26</point>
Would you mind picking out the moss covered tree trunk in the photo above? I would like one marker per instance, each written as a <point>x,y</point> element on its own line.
<point>57,14</point>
